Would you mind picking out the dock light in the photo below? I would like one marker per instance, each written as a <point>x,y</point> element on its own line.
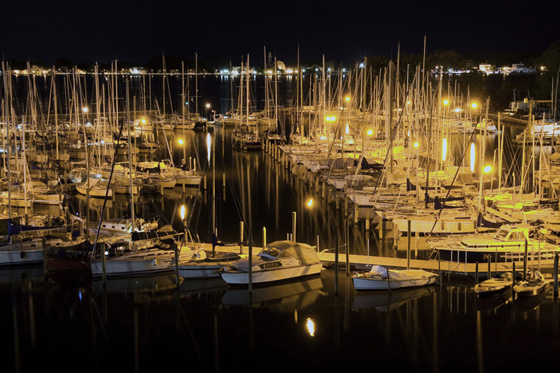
<point>143,121</point>
<point>310,324</point>
<point>487,169</point>
<point>416,145</point>
<point>446,102</point>
<point>347,98</point>
<point>85,109</point>
<point>370,132</point>
<point>330,118</point>
<point>207,106</point>
<point>310,203</point>
<point>474,105</point>
<point>182,212</point>
<point>180,141</point>
<point>347,128</point>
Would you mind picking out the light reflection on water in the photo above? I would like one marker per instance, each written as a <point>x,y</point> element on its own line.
<point>144,323</point>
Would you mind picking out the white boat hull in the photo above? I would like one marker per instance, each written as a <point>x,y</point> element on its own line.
<point>272,275</point>
<point>363,283</point>
<point>11,256</point>
<point>133,265</point>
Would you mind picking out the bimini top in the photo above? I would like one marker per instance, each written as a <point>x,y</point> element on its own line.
<point>278,249</point>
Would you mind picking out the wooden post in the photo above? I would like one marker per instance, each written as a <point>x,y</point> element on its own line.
<point>176,264</point>
<point>294,226</point>
<point>555,271</point>
<point>347,244</point>
<point>513,273</point>
<point>336,264</point>
<point>476,274</point>
<point>44,243</point>
<point>489,265</point>
<point>264,237</point>
<point>250,264</point>
<point>317,247</point>
<point>525,262</point>
<point>241,237</point>
<point>408,247</point>
<point>367,220</point>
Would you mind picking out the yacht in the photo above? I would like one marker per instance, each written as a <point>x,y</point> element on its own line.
<point>277,261</point>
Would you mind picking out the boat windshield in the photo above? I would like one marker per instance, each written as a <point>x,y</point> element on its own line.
<point>501,234</point>
<point>270,251</point>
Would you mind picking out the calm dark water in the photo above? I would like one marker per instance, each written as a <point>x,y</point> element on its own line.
<point>146,324</point>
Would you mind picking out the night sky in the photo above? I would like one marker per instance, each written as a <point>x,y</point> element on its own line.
<point>343,31</point>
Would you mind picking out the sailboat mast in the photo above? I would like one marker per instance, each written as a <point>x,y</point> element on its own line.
<point>129,155</point>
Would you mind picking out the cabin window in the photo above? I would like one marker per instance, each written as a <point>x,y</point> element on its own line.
<point>270,265</point>
<point>271,251</point>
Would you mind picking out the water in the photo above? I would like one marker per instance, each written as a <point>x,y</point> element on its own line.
<point>145,324</point>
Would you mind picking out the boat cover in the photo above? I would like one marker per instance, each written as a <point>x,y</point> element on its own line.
<point>305,253</point>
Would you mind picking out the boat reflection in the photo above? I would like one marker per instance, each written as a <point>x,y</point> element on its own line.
<point>146,284</point>
<point>202,285</point>
<point>493,302</point>
<point>385,301</point>
<point>285,297</point>
<point>21,275</point>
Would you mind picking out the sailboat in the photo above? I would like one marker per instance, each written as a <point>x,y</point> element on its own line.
<point>246,134</point>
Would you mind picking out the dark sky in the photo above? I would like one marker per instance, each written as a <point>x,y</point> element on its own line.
<point>343,31</point>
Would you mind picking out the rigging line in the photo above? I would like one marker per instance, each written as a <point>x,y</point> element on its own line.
<point>109,186</point>
<point>394,131</point>
<point>452,182</point>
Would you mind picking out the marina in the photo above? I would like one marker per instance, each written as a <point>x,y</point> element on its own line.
<point>358,222</point>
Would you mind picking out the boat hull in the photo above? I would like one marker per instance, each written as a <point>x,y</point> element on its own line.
<point>123,266</point>
<point>272,275</point>
<point>364,283</point>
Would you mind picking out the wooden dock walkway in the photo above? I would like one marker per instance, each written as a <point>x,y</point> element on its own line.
<point>429,265</point>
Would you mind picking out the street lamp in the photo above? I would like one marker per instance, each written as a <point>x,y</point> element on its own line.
<point>309,206</point>
<point>207,107</point>
<point>183,214</point>
<point>486,170</point>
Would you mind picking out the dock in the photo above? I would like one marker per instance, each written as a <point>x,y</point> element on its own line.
<point>433,265</point>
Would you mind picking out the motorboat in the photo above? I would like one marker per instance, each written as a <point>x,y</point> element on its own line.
<point>494,286</point>
<point>534,284</point>
<point>200,264</point>
<point>381,278</point>
<point>147,252</point>
<point>509,243</point>
<point>277,261</point>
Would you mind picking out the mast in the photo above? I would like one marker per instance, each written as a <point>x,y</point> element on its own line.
<point>129,155</point>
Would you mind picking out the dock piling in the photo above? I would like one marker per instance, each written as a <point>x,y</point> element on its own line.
<point>555,276</point>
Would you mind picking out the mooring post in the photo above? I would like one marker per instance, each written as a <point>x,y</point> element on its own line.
<point>250,264</point>
<point>555,275</point>
<point>264,237</point>
<point>513,273</point>
<point>489,257</point>
<point>241,237</point>
<point>347,244</point>
<point>44,243</point>
<point>176,264</point>
<point>336,264</point>
<point>525,262</point>
<point>294,226</point>
<point>408,246</point>
<point>476,273</point>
